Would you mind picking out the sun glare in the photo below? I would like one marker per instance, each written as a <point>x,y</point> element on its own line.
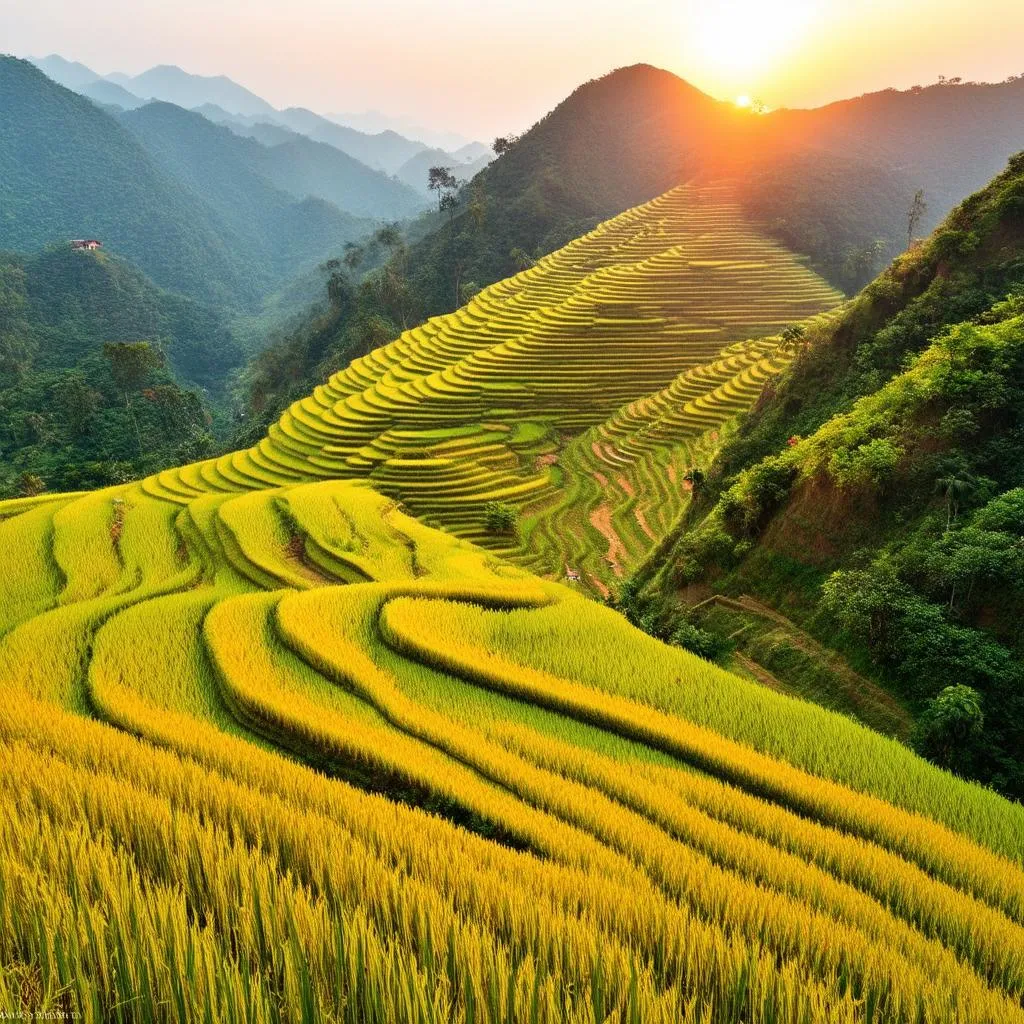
<point>744,102</point>
<point>746,38</point>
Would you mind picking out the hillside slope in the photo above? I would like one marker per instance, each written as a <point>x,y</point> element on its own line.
<point>65,422</point>
<point>504,400</point>
<point>229,173</point>
<point>875,494</point>
<point>68,170</point>
<point>612,823</point>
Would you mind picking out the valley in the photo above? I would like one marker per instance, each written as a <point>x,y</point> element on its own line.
<point>586,593</point>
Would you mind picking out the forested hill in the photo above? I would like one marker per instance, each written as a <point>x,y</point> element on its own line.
<point>877,496</point>
<point>199,209</point>
<point>839,200</point>
<point>69,416</point>
<point>69,170</point>
<point>229,169</point>
<point>830,183</point>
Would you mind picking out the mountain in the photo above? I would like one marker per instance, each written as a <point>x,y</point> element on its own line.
<point>919,132</point>
<point>171,84</point>
<point>386,151</point>
<point>876,496</point>
<point>307,168</point>
<point>415,170</point>
<point>373,122</point>
<point>68,170</point>
<point>70,73</point>
<point>279,234</point>
<point>251,128</point>
<point>109,94</point>
<point>472,152</point>
<point>833,183</point>
<point>62,418</point>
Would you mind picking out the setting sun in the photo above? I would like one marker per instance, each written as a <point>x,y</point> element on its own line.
<point>744,102</point>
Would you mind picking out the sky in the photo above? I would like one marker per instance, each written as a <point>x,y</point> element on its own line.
<point>489,67</point>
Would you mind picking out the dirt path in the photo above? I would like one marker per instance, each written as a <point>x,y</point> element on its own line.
<point>639,513</point>
<point>601,479</point>
<point>759,672</point>
<point>601,520</point>
<point>605,592</point>
<point>858,690</point>
<point>599,452</point>
<point>671,472</point>
<point>626,486</point>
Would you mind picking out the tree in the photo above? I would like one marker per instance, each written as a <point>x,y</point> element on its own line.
<point>918,208</point>
<point>955,485</point>
<point>130,364</point>
<point>503,143</point>
<point>443,182</point>
<point>792,337</point>
<point>500,518</point>
<point>950,724</point>
<point>520,258</point>
<point>695,477</point>
<point>29,485</point>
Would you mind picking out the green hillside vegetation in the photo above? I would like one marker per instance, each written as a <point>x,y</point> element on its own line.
<point>876,496</point>
<point>230,174</point>
<point>505,400</point>
<point>69,170</point>
<point>304,167</point>
<point>64,421</point>
<point>439,787</point>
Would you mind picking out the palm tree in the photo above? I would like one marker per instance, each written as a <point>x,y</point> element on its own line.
<point>956,485</point>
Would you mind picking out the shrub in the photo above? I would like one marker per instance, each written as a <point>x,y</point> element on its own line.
<point>699,641</point>
<point>500,518</point>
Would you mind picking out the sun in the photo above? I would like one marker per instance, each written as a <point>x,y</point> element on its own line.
<point>744,102</point>
<point>730,38</point>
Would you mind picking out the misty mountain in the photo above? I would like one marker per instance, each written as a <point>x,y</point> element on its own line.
<point>385,151</point>
<point>69,170</point>
<point>415,170</point>
<point>229,173</point>
<point>70,73</point>
<point>372,122</point>
<point>171,84</point>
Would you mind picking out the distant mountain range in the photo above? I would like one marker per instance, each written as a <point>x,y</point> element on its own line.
<point>197,208</point>
<point>226,102</point>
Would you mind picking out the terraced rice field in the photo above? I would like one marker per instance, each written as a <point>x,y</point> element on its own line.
<point>274,749</point>
<point>290,755</point>
<point>644,319</point>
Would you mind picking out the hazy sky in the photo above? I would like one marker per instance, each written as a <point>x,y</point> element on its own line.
<point>482,67</point>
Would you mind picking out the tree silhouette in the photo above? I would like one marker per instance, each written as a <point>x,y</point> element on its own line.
<point>918,208</point>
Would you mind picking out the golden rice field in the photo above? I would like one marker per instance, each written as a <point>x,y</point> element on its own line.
<point>275,749</point>
<point>539,391</point>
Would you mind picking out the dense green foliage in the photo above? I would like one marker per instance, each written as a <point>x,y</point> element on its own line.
<point>69,170</point>
<point>232,175</point>
<point>877,493</point>
<point>65,419</point>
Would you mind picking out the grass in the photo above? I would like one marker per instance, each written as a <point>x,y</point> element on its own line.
<point>274,749</point>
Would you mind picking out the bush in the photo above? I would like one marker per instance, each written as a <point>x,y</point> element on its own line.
<point>699,641</point>
<point>950,726</point>
<point>500,518</point>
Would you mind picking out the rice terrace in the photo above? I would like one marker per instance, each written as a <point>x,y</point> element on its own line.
<point>603,607</point>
